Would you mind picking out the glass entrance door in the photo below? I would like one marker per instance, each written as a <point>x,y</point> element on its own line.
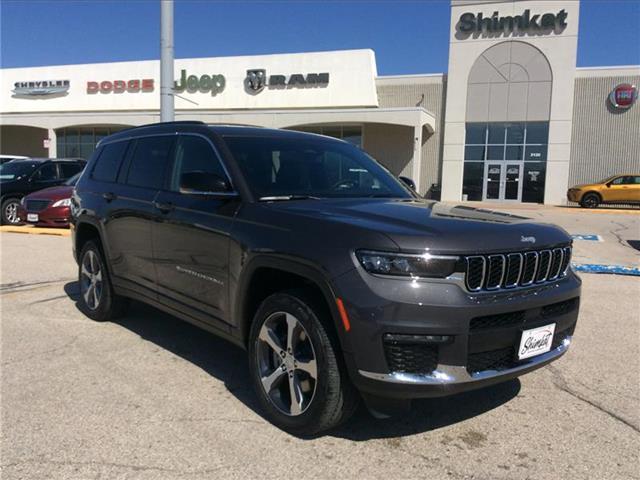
<point>503,181</point>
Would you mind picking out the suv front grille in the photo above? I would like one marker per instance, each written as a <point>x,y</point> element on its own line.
<point>36,205</point>
<point>493,272</point>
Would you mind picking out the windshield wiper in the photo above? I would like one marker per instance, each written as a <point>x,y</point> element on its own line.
<point>280,198</point>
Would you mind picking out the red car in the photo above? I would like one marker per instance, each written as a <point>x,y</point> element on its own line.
<point>48,207</point>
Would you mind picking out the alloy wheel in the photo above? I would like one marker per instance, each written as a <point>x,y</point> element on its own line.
<point>91,280</point>
<point>11,213</point>
<point>591,201</point>
<point>287,363</point>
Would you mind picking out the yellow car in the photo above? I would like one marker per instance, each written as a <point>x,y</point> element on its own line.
<point>615,189</point>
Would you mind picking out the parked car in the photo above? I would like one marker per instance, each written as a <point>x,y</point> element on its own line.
<point>48,207</point>
<point>614,189</point>
<point>338,279</point>
<point>23,176</point>
<point>8,158</point>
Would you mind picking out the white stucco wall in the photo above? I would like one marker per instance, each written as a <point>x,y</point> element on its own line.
<point>352,76</point>
<point>559,49</point>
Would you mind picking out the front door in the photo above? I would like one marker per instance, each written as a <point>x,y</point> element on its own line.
<point>503,181</point>
<point>191,234</point>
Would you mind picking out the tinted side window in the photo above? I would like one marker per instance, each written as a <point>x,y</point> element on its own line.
<point>194,154</point>
<point>68,170</point>
<point>108,163</point>
<point>45,173</point>
<point>149,162</point>
<point>618,181</point>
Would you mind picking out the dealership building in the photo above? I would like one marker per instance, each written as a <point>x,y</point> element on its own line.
<point>512,120</point>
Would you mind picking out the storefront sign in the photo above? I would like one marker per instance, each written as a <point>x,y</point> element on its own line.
<point>41,88</point>
<point>120,86</point>
<point>623,96</point>
<point>470,23</point>
<point>205,83</point>
<point>256,80</point>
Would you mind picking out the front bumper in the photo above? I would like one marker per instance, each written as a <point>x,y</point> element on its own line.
<point>473,357</point>
<point>49,217</point>
<point>573,195</point>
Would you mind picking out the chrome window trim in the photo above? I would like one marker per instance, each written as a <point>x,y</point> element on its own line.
<point>232,192</point>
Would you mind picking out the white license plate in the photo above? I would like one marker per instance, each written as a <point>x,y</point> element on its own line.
<point>32,217</point>
<point>536,341</point>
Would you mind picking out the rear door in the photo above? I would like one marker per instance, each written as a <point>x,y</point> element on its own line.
<point>191,234</point>
<point>129,210</point>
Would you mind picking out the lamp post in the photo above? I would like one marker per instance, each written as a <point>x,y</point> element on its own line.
<point>166,61</point>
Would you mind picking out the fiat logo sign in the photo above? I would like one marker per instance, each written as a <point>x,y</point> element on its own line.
<point>623,96</point>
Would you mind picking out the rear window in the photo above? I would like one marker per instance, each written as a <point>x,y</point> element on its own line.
<point>108,163</point>
<point>70,169</point>
<point>149,162</point>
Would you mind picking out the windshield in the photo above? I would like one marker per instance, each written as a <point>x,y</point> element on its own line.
<point>309,167</point>
<point>16,169</point>
<point>608,179</point>
<point>73,180</point>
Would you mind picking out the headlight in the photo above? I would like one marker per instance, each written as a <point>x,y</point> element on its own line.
<point>65,202</point>
<point>409,265</point>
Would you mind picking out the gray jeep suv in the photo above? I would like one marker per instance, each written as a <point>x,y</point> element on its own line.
<point>340,282</point>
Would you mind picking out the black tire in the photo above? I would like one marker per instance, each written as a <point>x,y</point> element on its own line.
<point>590,200</point>
<point>334,399</point>
<point>108,306</point>
<point>10,211</point>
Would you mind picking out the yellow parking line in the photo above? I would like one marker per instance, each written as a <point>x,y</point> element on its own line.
<point>60,232</point>
<point>622,211</point>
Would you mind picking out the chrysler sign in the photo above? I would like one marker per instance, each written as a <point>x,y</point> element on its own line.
<point>41,88</point>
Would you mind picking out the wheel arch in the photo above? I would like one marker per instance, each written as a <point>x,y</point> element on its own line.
<point>266,274</point>
<point>84,230</point>
<point>592,192</point>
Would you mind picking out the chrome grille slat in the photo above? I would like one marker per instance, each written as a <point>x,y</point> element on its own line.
<point>513,270</point>
<point>497,265</point>
<point>516,269</point>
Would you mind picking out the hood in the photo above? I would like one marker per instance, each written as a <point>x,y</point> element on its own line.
<point>416,225</point>
<point>52,193</point>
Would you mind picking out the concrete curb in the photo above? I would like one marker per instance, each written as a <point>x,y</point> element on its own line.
<point>59,232</point>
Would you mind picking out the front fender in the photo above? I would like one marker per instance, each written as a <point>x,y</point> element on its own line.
<point>300,267</point>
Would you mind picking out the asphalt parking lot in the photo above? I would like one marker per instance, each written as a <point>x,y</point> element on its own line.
<point>152,397</point>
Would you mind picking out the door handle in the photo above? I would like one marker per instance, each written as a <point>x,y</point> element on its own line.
<point>163,207</point>
<point>109,196</point>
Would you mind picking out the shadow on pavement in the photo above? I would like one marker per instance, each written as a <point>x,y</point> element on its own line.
<point>228,363</point>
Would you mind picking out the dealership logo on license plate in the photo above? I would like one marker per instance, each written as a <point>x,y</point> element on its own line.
<point>536,341</point>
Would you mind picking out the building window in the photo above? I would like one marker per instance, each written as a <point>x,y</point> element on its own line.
<point>80,142</point>
<point>348,133</point>
<point>513,143</point>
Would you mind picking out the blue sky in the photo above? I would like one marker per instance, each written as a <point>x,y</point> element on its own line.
<point>407,36</point>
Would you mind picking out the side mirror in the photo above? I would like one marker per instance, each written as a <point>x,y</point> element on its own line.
<point>202,183</point>
<point>408,182</point>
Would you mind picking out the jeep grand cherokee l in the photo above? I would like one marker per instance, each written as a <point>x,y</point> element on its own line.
<point>335,277</point>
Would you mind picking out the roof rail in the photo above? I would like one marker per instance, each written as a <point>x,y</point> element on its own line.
<point>178,122</point>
